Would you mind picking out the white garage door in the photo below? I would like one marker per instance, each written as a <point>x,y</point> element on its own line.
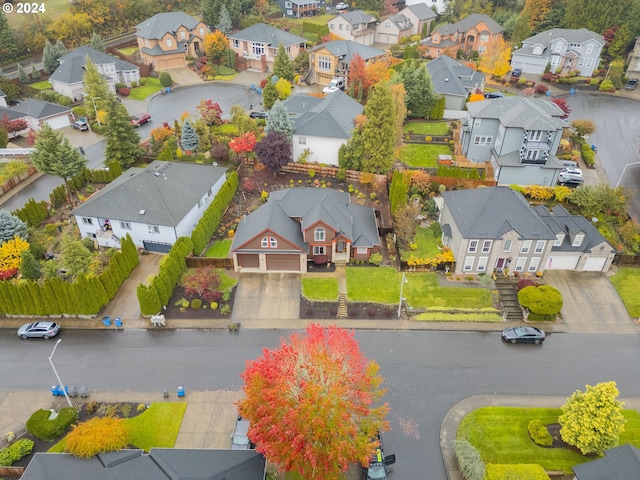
<point>59,122</point>
<point>594,264</point>
<point>567,262</point>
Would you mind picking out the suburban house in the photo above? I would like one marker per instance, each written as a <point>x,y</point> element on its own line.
<point>332,59</point>
<point>436,5</point>
<point>494,229</point>
<point>633,60</point>
<point>454,81</point>
<point>158,464</point>
<point>299,8</point>
<point>68,79</point>
<point>297,225</point>
<point>394,28</point>
<point>258,45</point>
<point>167,39</point>
<point>474,33</point>
<point>420,15</point>
<point>519,136</point>
<point>154,205</point>
<point>36,112</point>
<point>357,26</point>
<point>321,125</point>
<point>619,463</point>
<point>564,50</point>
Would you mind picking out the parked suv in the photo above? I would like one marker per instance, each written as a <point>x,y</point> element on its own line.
<point>336,84</point>
<point>516,72</point>
<point>631,84</point>
<point>240,439</point>
<point>81,125</point>
<point>570,177</point>
<point>377,469</point>
<point>140,119</point>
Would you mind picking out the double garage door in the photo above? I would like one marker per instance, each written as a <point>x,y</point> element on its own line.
<point>570,262</point>
<point>274,262</point>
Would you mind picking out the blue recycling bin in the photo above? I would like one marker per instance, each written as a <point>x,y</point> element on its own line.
<point>59,390</point>
<point>180,391</point>
<point>106,321</point>
<point>118,322</point>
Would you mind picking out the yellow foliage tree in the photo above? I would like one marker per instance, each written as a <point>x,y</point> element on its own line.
<point>10,253</point>
<point>495,60</point>
<point>283,87</point>
<point>97,435</point>
<point>378,72</point>
<point>476,97</point>
<point>216,45</point>
<point>71,28</point>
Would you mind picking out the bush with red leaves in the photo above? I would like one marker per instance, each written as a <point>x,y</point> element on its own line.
<point>8,273</point>
<point>526,283</point>
<point>124,91</point>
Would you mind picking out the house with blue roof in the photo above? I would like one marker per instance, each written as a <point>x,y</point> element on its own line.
<point>298,225</point>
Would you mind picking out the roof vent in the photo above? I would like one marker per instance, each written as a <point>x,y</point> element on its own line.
<point>142,212</point>
<point>446,79</point>
<point>157,174</point>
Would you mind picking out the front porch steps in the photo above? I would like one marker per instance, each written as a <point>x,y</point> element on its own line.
<point>341,272</point>
<point>342,305</point>
<point>509,298</point>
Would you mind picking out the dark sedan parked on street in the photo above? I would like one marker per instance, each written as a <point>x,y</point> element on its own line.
<point>523,335</point>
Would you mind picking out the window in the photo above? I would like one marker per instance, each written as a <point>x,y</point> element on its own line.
<point>468,264</point>
<point>201,31</point>
<point>559,239</point>
<point>581,62</point>
<point>535,135</point>
<point>87,221</point>
<point>340,27</point>
<point>257,49</point>
<point>324,64</point>
<point>577,240</point>
<point>526,246</point>
<point>387,24</point>
<point>473,246</point>
<point>482,264</point>
<point>486,246</point>
<point>269,242</point>
<point>477,122</point>
<point>589,49</point>
<point>125,225</point>
<point>483,140</point>
<point>558,47</point>
<point>288,5</point>
<point>435,39</point>
<point>153,228</point>
<point>589,62</point>
<point>318,250</point>
<point>520,264</point>
<point>484,37</point>
<point>537,50</point>
<point>540,244</point>
<point>533,265</point>
<point>183,35</point>
<point>302,140</point>
<point>482,49</point>
<point>362,250</point>
<point>236,43</point>
<point>507,246</point>
<point>169,42</point>
<point>531,154</point>
<point>319,234</point>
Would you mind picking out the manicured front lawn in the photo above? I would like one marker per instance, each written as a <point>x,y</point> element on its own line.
<point>421,155</point>
<point>368,284</point>
<point>422,290</point>
<point>627,282</point>
<point>140,93</point>
<point>43,85</point>
<point>320,289</point>
<point>427,244</point>
<point>426,128</point>
<point>219,249</point>
<point>226,282</point>
<point>501,436</point>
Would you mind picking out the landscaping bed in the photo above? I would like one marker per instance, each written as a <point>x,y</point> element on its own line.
<point>355,310</point>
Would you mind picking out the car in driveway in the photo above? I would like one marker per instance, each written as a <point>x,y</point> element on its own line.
<point>342,6</point>
<point>240,439</point>
<point>631,84</point>
<point>516,72</point>
<point>494,95</point>
<point>523,335</point>
<point>81,125</point>
<point>377,469</point>
<point>570,177</point>
<point>44,330</point>
<point>140,119</point>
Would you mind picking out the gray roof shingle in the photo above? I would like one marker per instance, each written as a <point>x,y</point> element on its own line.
<point>619,463</point>
<point>520,112</point>
<point>39,109</point>
<point>71,69</point>
<point>346,49</point>
<point>450,77</point>
<point>268,35</point>
<point>579,35</point>
<point>422,11</point>
<point>356,17</point>
<point>162,23</point>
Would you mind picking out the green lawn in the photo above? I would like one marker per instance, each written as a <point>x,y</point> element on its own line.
<point>627,282</point>
<point>225,129</point>
<point>140,93</point>
<point>226,282</point>
<point>219,249</point>
<point>43,85</point>
<point>320,289</point>
<point>128,50</point>
<point>421,155</point>
<point>422,290</point>
<point>427,244</point>
<point>368,284</point>
<point>427,128</point>
<point>501,436</point>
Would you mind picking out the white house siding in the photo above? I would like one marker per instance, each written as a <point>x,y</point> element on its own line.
<point>190,220</point>
<point>323,149</point>
<point>139,232</point>
<point>562,261</point>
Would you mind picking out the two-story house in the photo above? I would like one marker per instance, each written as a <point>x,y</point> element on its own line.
<point>633,60</point>
<point>437,6</point>
<point>68,78</point>
<point>357,26</point>
<point>564,50</point>
<point>257,46</point>
<point>167,39</point>
<point>454,81</point>
<point>519,136</point>
<point>299,8</point>
<point>394,28</point>
<point>332,59</point>
<point>421,17</point>
<point>495,229</point>
<point>474,33</point>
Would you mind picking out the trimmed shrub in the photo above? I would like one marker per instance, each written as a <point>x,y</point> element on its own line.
<point>40,426</point>
<point>470,461</point>
<point>526,283</point>
<point>542,300</point>
<point>196,304</point>
<point>14,452</point>
<point>539,433</point>
<point>97,435</point>
<point>588,155</point>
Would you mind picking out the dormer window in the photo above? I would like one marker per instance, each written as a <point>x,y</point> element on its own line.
<point>269,242</point>
<point>577,240</point>
<point>559,239</point>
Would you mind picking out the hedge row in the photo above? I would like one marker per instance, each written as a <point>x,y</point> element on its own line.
<point>588,155</point>
<point>33,213</point>
<point>213,214</point>
<point>457,172</point>
<point>85,296</point>
<point>153,296</point>
<point>14,452</point>
<point>470,461</point>
<point>59,194</point>
<point>40,426</point>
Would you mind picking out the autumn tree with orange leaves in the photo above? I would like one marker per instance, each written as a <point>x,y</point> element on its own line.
<point>314,403</point>
<point>358,80</point>
<point>495,60</point>
<point>216,45</point>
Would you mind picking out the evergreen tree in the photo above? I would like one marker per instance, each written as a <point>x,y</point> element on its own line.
<point>23,77</point>
<point>49,58</point>
<point>596,15</point>
<point>269,95</point>
<point>4,137</point>
<point>123,142</point>
<point>209,12</point>
<point>75,257</point>
<point>224,21</point>
<point>29,266</point>
<point>35,73</point>
<point>61,50</point>
<point>95,87</point>
<point>54,155</point>
<point>8,45</point>
<point>282,65</point>
<point>350,154</point>
<point>97,43</point>
<point>378,132</point>
<point>12,226</point>
<point>189,139</point>
<point>621,40</point>
<point>279,120</point>
<point>420,93</point>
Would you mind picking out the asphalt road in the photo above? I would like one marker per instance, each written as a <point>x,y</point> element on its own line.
<point>617,136</point>
<point>426,373</point>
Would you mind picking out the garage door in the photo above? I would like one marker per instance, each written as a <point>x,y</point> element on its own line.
<point>59,122</point>
<point>248,260</point>
<point>157,247</point>
<point>283,263</point>
<point>594,264</point>
<point>568,262</point>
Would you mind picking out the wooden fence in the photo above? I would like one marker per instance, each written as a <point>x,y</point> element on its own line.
<point>196,262</point>
<point>11,472</point>
<point>14,181</point>
<point>627,260</point>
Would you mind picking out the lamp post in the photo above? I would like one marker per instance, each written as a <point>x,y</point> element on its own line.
<point>64,390</point>
<point>623,170</point>
<point>402,282</point>
<point>93,99</point>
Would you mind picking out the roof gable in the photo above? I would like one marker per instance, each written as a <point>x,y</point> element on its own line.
<point>161,23</point>
<point>568,35</point>
<point>520,112</point>
<point>357,17</point>
<point>268,35</point>
<point>451,77</point>
<point>421,10</point>
<point>39,109</point>
<point>473,20</point>
<point>346,49</point>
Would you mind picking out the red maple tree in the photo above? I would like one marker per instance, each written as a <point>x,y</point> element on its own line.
<point>13,126</point>
<point>314,403</point>
<point>211,112</point>
<point>244,143</point>
<point>562,103</point>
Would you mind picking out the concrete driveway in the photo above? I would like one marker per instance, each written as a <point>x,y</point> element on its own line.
<point>263,299</point>
<point>591,304</point>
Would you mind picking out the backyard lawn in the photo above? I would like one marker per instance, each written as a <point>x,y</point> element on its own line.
<point>43,85</point>
<point>140,93</point>
<point>501,436</point>
<point>426,128</point>
<point>320,289</point>
<point>219,249</point>
<point>426,242</point>
<point>627,282</point>
<point>421,155</point>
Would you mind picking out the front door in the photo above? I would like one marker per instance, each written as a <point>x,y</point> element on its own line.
<point>500,263</point>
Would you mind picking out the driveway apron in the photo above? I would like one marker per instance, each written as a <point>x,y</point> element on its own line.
<point>263,297</point>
